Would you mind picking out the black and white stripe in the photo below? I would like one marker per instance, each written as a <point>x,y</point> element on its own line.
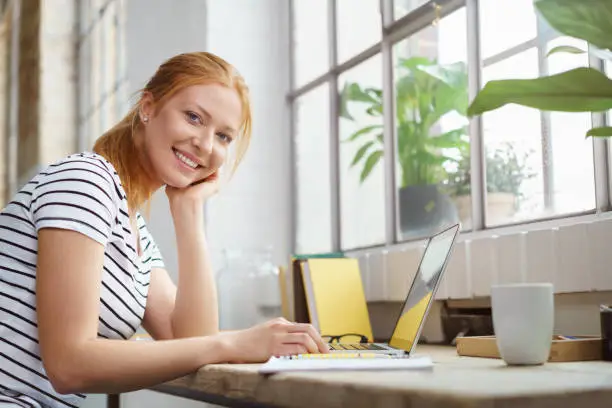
<point>81,193</point>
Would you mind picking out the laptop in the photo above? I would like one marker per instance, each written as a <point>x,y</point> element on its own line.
<point>418,301</point>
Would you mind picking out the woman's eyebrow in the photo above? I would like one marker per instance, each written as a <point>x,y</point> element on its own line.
<point>209,117</point>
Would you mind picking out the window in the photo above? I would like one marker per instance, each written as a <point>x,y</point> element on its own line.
<point>358,28</point>
<point>527,171</point>
<point>505,24</point>
<point>362,194</point>
<point>405,87</point>
<point>313,172</point>
<point>310,39</point>
<point>403,7</point>
<point>431,129</point>
<point>101,68</point>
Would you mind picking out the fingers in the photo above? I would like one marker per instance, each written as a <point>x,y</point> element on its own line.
<point>312,332</point>
<point>290,350</point>
<point>301,339</point>
<point>212,177</point>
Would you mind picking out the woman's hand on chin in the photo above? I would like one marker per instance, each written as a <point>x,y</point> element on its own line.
<point>193,195</point>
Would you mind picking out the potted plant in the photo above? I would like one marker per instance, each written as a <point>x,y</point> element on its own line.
<point>425,92</point>
<point>577,90</point>
<point>506,171</point>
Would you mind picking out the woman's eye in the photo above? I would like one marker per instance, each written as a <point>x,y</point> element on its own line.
<point>225,138</point>
<point>193,117</point>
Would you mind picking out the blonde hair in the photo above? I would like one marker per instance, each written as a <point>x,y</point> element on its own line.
<point>179,72</point>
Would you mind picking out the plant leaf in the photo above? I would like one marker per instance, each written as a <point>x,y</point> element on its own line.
<point>362,150</point>
<point>603,131</point>
<point>577,90</point>
<point>453,75</point>
<point>450,139</point>
<point>413,62</point>
<point>361,132</point>
<point>565,48</point>
<point>372,159</point>
<point>588,20</point>
<point>352,92</point>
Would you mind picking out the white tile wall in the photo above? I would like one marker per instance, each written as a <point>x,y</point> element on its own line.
<point>600,254</point>
<point>575,258</point>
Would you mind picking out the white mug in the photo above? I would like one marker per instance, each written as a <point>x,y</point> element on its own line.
<point>523,319</point>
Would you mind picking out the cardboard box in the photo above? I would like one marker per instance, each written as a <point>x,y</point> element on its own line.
<point>580,348</point>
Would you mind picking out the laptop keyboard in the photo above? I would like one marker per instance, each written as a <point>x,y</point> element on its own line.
<point>355,346</point>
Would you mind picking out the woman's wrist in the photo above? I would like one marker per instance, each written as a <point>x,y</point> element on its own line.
<point>188,213</point>
<point>223,347</point>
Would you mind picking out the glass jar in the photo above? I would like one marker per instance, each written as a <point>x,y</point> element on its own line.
<point>248,288</point>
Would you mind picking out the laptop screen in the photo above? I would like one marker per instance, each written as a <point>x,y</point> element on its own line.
<point>423,289</point>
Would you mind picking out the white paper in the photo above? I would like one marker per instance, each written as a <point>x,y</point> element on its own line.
<point>275,365</point>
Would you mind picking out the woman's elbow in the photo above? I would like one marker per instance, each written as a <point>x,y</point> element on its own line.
<point>66,377</point>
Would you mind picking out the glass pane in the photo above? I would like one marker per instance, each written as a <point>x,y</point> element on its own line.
<point>110,51</point>
<point>505,24</point>
<point>358,27</point>
<point>313,177</point>
<point>431,128</point>
<point>94,127</point>
<point>122,103</point>
<point>572,155</point>
<point>362,187</point>
<point>120,40</point>
<point>310,39</point>
<point>85,17</point>
<point>506,138</point>
<point>517,168</point>
<point>96,63</point>
<point>403,7</point>
<point>84,93</point>
<point>109,109</point>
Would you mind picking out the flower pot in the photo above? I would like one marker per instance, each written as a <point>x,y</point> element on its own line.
<point>424,210</point>
<point>501,207</point>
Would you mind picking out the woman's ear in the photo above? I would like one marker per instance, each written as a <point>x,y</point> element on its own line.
<point>147,107</point>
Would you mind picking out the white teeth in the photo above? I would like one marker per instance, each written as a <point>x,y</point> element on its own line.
<point>185,160</point>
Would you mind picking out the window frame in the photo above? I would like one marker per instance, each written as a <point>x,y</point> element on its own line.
<point>394,31</point>
<point>93,96</point>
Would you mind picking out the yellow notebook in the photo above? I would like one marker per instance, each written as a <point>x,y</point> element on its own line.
<point>335,297</point>
<point>284,292</point>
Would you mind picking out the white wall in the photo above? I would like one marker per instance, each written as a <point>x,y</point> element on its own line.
<point>253,210</point>
<point>147,46</point>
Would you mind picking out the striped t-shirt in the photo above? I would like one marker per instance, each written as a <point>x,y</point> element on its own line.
<point>81,192</point>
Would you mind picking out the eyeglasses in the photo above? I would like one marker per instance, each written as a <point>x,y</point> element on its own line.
<point>345,338</point>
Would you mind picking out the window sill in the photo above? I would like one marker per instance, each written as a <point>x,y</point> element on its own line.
<point>573,253</point>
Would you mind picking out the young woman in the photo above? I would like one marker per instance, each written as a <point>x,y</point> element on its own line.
<point>79,271</point>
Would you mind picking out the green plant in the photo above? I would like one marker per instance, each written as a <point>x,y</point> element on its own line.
<point>506,170</point>
<point>576,90</point>
<point>425,92</point>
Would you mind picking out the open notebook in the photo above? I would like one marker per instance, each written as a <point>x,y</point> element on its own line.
<point>327,362</point>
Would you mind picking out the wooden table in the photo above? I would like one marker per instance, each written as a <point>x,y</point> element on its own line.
<point>453,382</point>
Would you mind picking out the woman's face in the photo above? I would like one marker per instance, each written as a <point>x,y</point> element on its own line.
<point>188,138</point>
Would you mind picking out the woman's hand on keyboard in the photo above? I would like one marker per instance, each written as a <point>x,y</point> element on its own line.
<point>278,337</point>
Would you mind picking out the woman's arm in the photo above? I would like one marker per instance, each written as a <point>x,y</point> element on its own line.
<point>68,296</point>
<point>68,293</point>
<point>195,311</point>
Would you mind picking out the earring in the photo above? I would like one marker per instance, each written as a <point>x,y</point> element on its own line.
<point>145,119</point>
